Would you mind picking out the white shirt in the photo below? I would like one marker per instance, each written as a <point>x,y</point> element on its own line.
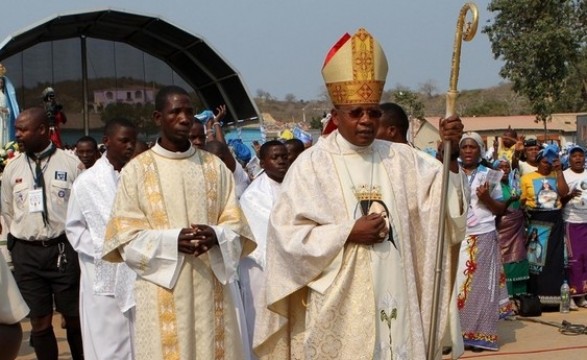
<point>241,180</point>
<point>576,209</point>
<point>526,168</point>
<point>480,219</point>
<point>59,172</point>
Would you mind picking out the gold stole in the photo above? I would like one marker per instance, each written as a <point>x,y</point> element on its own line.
<point>159,219</point>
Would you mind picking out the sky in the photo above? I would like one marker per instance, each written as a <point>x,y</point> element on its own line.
<point>279,46</point>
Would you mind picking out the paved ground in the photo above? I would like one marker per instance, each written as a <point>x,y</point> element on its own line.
<point>519,339</point>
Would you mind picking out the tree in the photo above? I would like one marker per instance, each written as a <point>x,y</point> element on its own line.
<point>264,95</point>
<point>538,40</point>
<point>410,101</point>
<point>316,123</point>
<point>290,98</point>
<point>428,88</point>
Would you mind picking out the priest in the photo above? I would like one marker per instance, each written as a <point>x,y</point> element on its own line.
<point>177,224</point>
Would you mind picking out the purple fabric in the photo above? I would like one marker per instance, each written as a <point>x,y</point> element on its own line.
<point>512,237</point>
<point>577,236</point>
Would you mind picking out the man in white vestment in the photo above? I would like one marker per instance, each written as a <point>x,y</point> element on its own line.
<point>176,223</point>
<point>256,204</point>
<point>106,302</point>
<point>352,238</point>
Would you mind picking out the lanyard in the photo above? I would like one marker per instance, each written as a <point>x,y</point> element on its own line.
<point>472,177</point>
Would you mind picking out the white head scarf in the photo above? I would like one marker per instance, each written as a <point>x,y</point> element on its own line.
<point>477,138</point>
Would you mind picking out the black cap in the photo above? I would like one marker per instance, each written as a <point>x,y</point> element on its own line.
<point>530,142</point>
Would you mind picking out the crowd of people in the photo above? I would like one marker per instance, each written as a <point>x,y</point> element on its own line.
<point>182,250</point>
<point>525,230</point>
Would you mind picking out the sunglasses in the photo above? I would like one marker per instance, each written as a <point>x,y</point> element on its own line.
<point>359,112</point>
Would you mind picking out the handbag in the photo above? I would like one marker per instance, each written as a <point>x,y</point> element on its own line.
<point>528,305</point>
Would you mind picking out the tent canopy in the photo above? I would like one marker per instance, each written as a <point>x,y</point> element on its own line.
<point>196,62</point>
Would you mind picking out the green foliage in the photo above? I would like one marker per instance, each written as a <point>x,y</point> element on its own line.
<point>495,101</point>
<point>316,123</point>
<point>411,101</point>
<point>540,42</point>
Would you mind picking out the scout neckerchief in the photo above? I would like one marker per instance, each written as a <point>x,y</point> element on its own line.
<point>38,174</point>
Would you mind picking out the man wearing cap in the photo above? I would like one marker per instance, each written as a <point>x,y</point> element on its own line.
<point>352,238</point>
<point>530,164</point>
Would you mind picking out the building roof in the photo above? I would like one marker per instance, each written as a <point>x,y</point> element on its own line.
<point>190,56</point>
<point>560,122</point>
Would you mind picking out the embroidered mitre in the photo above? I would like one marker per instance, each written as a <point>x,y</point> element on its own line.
<point>355,70</point>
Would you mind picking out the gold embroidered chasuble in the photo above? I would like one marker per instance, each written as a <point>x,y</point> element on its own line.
<point>325,295</point>
<point>184,308</point>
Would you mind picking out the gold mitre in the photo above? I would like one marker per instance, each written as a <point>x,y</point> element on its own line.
<point>2,70</point>
<point>355,70</point>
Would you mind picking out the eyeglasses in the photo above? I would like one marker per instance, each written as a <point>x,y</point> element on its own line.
<point>359,112</point>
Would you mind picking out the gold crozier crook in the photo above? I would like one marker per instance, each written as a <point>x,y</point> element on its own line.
<point>465,33</point>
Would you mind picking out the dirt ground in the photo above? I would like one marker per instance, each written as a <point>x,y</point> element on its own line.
<point>525,338</point>
<point>518,339</point>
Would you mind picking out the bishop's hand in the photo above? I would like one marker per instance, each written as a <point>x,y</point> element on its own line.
<point>368,230</point>
<point>451,129</point>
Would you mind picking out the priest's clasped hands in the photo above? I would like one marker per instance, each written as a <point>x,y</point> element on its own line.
<point>196,240</point>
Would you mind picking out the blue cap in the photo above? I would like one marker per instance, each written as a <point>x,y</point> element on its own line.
<point>205,115</point>
<point>241,151</point>
<point>574,148</point>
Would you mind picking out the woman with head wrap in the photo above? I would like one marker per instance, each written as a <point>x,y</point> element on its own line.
<point>482,295</point>
<point>541,191</point>
<point>575,217</point>
<point>510,231</point>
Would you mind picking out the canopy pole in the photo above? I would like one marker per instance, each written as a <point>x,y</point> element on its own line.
<point>85,113</point>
